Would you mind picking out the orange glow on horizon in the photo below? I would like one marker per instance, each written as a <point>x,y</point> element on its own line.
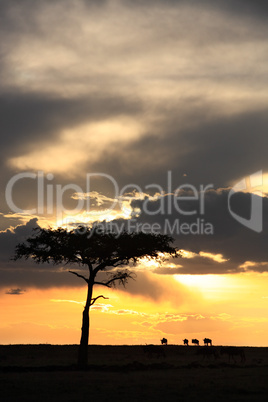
<point>231,309</point>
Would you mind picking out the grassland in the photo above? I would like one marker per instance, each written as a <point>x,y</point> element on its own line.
<point>125,373</point>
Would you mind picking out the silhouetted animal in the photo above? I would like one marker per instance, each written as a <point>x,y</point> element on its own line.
<point>154,351</point>
<point>207,352</point>
<point>186,342</point>
<point>232,351</point>
<point>164,341</point>
<point>207,341</point>
<point>195,341</point>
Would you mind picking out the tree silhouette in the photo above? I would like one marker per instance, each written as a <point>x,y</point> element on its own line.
<point>98,251</point>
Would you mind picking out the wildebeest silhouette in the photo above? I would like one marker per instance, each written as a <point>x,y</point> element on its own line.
<point>195,341</point>
<point>164,341</point>
<point>154,351</point>
<point>186,342</point>
<point>232,351</point>
<point>207,341</point>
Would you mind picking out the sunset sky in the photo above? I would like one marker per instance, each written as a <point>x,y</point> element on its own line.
<point>149,115</point>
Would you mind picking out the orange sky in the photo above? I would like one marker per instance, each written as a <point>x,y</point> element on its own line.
<point>229,309</point>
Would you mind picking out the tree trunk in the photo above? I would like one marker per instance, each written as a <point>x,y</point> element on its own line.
<point>83,347</point>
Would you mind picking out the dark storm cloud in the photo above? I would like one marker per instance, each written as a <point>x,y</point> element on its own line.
<point>230,248</point>
<point>258,8</point>
<point>24,10</point>
<point>26,19</point>
<point>228,237</point>
<point>10,238</point>
<point>228,148</point>
<point>218,150</point>
<point>199,265</point>
<point>35,121</point>
<point>27,119</point>
<point>37,277</point>
<point>33,118</point>
<point>120,63</point>
<point>222,150</point>
<point>23,274</point>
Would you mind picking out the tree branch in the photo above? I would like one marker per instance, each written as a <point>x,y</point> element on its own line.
<point>80,276</point>
<point>122,277</point>
<point>99,267</point>
<point>109,263</point>
<point>96,298</point>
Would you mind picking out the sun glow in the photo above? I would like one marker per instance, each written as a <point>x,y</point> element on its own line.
<point>215,287</point>
<point>86,218</point>
<point>204,282</point>
<point>256,184</point>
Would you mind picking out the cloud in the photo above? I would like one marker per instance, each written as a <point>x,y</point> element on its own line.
<point>128,312</point>
<point>218,149</point>
<point>222,249</point>
<point>243,8</point>
<point>40,117</point>
<point>196,94</point>
<point>192,325</point>
<point>136,96</point>
<point>11,237</point>
<point>230,248</point>
<point>251,266</point>
<point>25,273</point>
<point>83,143</point>
<point>66,301</point>
<point>257,9</point>
<point>17,291</point>
<point>104,308</point>
<point>151,287</point>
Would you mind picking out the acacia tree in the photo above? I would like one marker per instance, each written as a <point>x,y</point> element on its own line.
<point>97,251</point>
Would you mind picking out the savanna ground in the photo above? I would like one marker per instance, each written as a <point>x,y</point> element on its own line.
<point>125,373</point>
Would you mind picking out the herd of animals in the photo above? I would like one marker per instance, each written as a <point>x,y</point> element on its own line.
<point>206,351</point>
<point>207,342</point>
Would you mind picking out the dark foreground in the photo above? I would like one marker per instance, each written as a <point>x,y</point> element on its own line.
<point>127,373</point>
